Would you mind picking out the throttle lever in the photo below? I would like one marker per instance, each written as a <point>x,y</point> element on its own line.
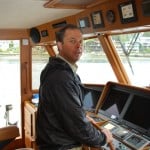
<point>110,144</point>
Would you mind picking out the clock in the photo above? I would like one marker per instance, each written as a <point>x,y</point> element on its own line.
<point>110,15</point>
<point>127,11</point>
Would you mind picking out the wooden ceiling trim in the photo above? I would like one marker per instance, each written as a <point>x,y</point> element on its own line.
<point>64,6</point>
<point>58,4</point>
<point>52,2</point>
<point>96,2</point>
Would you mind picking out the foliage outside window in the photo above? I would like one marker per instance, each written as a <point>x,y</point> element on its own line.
<point>134,51</point>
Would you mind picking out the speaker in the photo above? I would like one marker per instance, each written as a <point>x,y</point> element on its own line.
<point>146,7</point>
<point>35,35</point>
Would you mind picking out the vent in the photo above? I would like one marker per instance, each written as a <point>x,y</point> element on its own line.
<point>59,25</point>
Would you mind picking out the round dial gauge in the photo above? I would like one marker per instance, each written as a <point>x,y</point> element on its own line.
<point>110,15</point>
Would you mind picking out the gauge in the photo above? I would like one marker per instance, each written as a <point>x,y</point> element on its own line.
<point>110,15</point>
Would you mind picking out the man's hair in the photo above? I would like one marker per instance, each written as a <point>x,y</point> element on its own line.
<point>60,34</point>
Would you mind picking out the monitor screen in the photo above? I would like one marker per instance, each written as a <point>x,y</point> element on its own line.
<point>114,102</point>
<point>138,113</point>
<point>84,22</point>
<point>91,99</point>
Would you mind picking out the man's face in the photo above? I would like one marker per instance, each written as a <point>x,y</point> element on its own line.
<point>71,48</point>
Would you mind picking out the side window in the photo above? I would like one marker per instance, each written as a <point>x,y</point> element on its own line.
<point>93,66</point>
<point>40,57</point>
<point>10,101</point>
<point>134,51</point>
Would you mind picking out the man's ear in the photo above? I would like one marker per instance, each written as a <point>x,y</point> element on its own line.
<point>59,45</point>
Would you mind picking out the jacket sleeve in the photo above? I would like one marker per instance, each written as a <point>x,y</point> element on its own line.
<point>72,116</point>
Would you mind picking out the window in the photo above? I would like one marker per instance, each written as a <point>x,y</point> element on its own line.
<point>93,66</point>
<point>40,57</point>
<point>10,101</point>
<point>134,51</point>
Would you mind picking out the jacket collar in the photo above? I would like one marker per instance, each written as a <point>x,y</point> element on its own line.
<point>73,67</point>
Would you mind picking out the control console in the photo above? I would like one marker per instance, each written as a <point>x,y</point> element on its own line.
<point>118,146</point>
<point>125,139</point>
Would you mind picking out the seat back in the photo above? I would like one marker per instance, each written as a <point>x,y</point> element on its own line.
<point>8,134</point>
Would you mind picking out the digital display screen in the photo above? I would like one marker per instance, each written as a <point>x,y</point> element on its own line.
<point>109,126</point>
<point>91,99</point>
<point>97,19</point>
<point>84,22</point>
<point>136,141</point>
<point>121,133</point>
<point>114,103</point>
<point>138,112</point>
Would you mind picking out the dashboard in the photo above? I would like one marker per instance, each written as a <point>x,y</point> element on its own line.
<point>124,110</point>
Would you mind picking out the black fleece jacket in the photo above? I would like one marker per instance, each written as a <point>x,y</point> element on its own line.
<point>61,121</point>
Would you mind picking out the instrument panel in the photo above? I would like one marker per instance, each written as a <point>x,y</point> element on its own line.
<point>125,139</point>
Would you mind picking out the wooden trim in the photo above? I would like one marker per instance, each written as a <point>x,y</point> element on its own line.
<point>62,6</point>
<point>18,143</point>
<point>52,2</point>
<point>100,102</point>
<point>50,50</point>
<point>114,59</point>
<point>13,34</point>
<point>96,2</point>
<point>58,4</point>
